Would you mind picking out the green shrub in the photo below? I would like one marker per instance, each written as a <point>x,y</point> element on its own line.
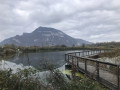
<point>24,80</point>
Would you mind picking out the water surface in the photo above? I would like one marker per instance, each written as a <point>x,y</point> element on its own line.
<point>36,60</point>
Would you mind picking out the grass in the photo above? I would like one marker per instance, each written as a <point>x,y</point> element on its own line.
<point>69,72</point>
<point>112,54</point>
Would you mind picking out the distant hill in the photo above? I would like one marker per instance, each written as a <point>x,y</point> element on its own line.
<point>44,36</point>
<point>80,42</point>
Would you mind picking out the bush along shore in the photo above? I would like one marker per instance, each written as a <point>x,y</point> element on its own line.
<point>28,79</point>
<point>11,49</point>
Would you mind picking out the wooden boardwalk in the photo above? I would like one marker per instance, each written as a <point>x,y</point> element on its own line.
<point>105,73</point>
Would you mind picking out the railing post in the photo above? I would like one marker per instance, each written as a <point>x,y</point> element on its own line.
<point>91,52</point>
<point>104,51</point>
<point>77,62</point>
<point>73,68</point>
<point>95,52</point>
<point>83,53</point>
<point>97,69</point>
<point>87,53</point>
<point>79,53</point>
<point>98,51</point>
<point>75,54</point>
<point>65,57</point>
<point>118,77</point>
<point>68,57</point>
<point>85,66</point>
<point>72,61</point>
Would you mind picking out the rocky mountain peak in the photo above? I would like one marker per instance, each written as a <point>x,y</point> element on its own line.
<point>46,29</point>
<point>44,36</point>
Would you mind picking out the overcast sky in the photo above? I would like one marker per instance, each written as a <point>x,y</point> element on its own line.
<point>92,20</point>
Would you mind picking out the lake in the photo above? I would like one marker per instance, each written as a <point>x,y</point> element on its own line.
<point>36,60</point>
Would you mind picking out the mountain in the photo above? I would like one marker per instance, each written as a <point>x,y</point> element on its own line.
<point>44,36</point>
<point>80,42</point>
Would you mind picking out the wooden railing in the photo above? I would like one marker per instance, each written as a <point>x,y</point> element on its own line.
<point>105,73</point>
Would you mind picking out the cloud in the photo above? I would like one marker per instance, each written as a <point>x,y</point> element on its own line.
<point>87,19</point>
<point>97,36</point>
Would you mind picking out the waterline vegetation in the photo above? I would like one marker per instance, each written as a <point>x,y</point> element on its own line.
<point>27,79</point>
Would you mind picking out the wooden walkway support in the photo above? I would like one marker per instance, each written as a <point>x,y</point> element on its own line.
<point>105,73</point>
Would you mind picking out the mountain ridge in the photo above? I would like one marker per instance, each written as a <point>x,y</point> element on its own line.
<point>44,36</point>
